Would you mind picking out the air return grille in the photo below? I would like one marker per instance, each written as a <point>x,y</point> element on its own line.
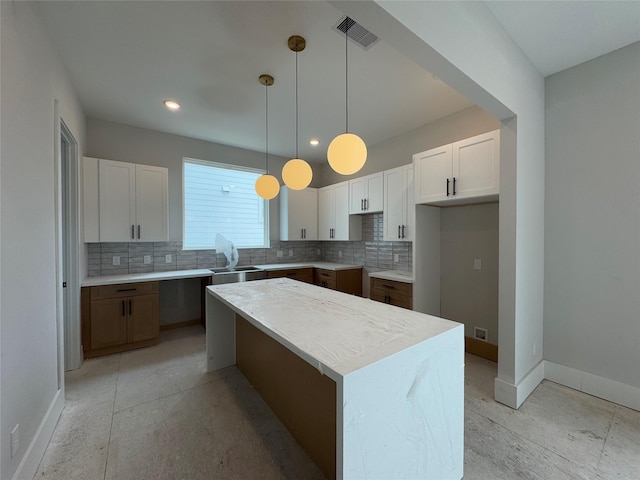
<point>356,32</point>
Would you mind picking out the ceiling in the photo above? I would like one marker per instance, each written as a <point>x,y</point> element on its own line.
<point>125,58</point>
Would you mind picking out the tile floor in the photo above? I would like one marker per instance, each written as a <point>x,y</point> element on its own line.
<point>156,414</point>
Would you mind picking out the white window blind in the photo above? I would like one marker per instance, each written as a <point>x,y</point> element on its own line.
<point>219,198</point>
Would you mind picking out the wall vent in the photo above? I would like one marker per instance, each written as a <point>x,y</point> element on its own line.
<point>356,32</point>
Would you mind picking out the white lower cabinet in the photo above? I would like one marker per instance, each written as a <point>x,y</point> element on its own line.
<point>399,206</point>
<point>298,214</point>
<point>458,172</point>
<point>132,202</point>
<point>334,221</point>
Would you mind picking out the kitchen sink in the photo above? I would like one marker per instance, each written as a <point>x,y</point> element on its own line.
<point>238,274</point>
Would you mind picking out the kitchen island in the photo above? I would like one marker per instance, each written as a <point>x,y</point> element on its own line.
<point>369,390</point>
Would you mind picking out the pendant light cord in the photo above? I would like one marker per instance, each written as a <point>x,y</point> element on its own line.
<point>346,76</point>
<point>297,105</point>
<point>266,122</point>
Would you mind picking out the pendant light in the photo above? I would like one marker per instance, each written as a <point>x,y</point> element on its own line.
<point>297,173</point>
<point>267,186</point>
<point>347,153</point>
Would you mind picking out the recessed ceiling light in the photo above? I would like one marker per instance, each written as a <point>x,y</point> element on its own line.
<point>172,105</point>
<point>314,141</point>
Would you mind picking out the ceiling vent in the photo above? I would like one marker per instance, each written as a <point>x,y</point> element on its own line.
<point>356,32</point>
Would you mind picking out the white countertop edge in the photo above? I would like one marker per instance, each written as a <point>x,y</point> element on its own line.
<point>145,277</point>
<point>202,272</point>
<point>395,275</point>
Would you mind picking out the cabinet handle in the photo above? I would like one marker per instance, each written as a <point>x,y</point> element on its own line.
<point>123,312</point>
<point>388,286</point>
<point>399,231</point>
<point>454,186</point>
<point>133,232</point>
<point>130,307</point>
<point>402,231</point>
<point>447,187</point>
<point>361,204</point>
<point>366,204</point>
<point>126,290</point>
<point>139,232</point>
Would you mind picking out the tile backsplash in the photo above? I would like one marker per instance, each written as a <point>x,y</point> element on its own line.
<point>372,252</point>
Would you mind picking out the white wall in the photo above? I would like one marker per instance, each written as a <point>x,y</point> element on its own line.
<point>399,150</point>
<point>463,44</point>
<point>115,141</point>
<point>592,217</point>
<point>31,80</point>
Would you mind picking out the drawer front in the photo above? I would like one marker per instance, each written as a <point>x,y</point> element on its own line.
<point>325,278</point>
<point>123,290</point>
<point>399,294</point>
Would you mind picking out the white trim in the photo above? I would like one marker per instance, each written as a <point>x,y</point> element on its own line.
<point>514,395</point>
<point>620,393</point>
<point>32,457</point>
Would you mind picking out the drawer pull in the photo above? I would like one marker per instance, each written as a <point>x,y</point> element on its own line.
<point>388,286</point>
<point>126,290</point>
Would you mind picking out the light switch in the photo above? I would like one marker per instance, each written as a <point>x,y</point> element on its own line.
<point>115,260</point>
<point>279,253</point>
<point>147,259</point>
<point>291,252</point>
<point>167,258</point>
<point>340,253</point>
<point>477,264</point>
<point>396,257</point>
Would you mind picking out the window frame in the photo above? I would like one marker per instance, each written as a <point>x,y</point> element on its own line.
<point>227,166</point>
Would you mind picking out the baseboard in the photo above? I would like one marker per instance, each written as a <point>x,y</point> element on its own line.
<point>187,323</point>
<point>32,457</point>
<point>595,385</point>
<point>481,349</point>
<point>514,395</point>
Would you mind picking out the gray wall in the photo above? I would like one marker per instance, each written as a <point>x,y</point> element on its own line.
<point>399,151</point>
<point>592,219</point>
<point>124,143</point>
<point>467,295</point>
<point>32,80</point>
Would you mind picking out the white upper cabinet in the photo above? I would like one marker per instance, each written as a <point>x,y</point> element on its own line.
<point>399,206</point>
<point>125,202</point>
<point>298,214</point>
<point>366,194</point>
<point>334,220</point>
<point>456,173</point>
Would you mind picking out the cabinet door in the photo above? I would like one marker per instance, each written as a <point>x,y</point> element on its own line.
<point>357,194</point>
<point>410,204</point>
<point>375,189</point>
<point>152,205</point>
<point>432,169</point>
<point>341,225</point>
<point>476,165</point>
<point>395,201</point>
<point>144,317</point>
<point>326,212</point>
<point>117,201</point>
<point>298,214</point>
<point>108,323</point>
<point>90,199</point>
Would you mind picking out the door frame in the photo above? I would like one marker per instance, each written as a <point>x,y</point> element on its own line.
<point>67,253</point>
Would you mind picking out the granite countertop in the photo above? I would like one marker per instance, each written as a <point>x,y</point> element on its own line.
<point>395,275</point>
<point>201,272</point>
<point>333,331</point>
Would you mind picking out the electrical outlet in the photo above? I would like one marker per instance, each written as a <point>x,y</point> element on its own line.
<point>318,252</point>
<point>279,253</point>
<point>396,257</point>
<point>147,259</point>
<point>115,260</point>
<point>291,252</point>
<point>15,440</point>
<point>167,258</point>
<point>480,333</point>
<point>477,264</point>
<point>340,253</point>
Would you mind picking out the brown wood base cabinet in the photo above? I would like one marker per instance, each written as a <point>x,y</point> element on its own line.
<point>347,281</point>
<point>395,293</point>
<point>300,274</point>
<point>119,317</point>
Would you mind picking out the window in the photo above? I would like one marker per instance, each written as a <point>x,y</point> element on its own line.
<point>219,198</point>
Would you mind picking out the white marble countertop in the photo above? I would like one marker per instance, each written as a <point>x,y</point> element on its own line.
<point>201,272</point>
<point>145,277</point>
<point>395,275</point>
<point>335,332</point>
